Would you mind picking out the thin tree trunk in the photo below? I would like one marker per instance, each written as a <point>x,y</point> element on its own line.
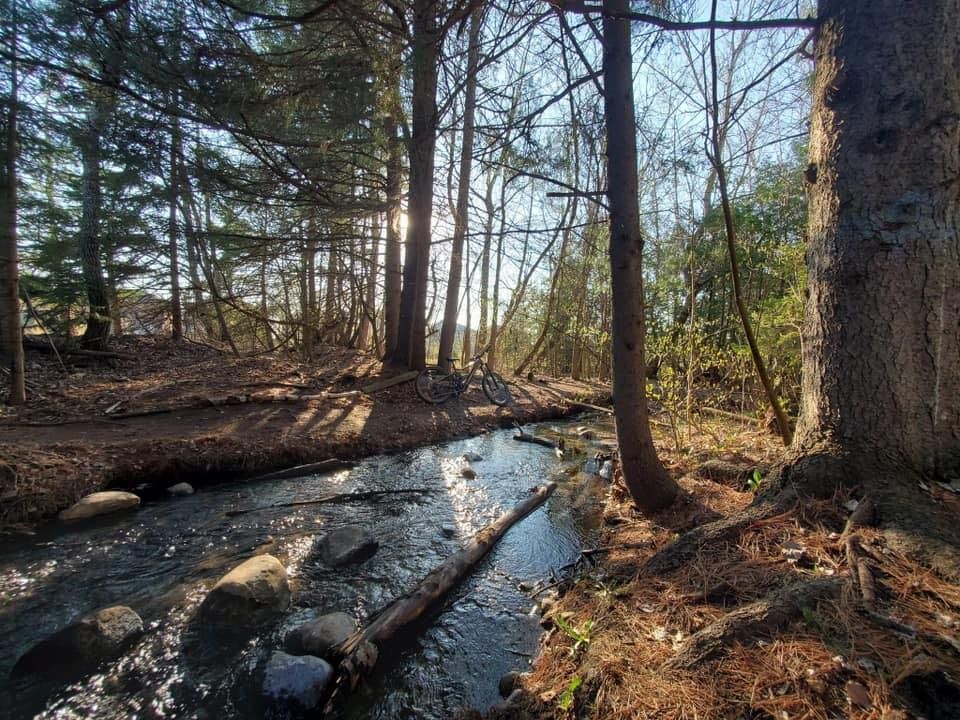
<point>187,209</point>
<point>485,260</point>
<point>716,158</point>
<point>176,308</point>
<point>569,212</point>
<point>648,481</point>
<point>11,333</point>
<point>392,270</point>
<point>449,329</point>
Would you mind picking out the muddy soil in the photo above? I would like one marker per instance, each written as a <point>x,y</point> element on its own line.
<point>164,412</point>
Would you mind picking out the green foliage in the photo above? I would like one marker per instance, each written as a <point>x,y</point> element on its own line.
<point>756,478</point>
<point>579,635</point>
<point>565,701</point>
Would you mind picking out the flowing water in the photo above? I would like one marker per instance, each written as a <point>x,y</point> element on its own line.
<point>162,559</point>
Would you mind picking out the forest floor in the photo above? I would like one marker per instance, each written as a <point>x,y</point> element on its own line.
<point>162,412</point>
<point>725,634</point>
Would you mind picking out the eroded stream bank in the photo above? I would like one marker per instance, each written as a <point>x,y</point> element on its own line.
<point>162,559</point>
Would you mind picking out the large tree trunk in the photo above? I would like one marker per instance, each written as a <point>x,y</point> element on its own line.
<point>11,334</point>
<point>881,359</point>
<point>98,315</point>
<point>411,338</point>
<point>646,478</point>
<point>452,306</point>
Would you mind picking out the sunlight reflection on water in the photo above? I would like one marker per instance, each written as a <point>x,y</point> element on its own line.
<point>162,560</point>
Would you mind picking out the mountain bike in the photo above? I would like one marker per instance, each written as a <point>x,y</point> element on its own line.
<point>435,385</point>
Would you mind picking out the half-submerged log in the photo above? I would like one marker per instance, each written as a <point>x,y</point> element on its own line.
<point>521,436</point>
<point>359,653</point>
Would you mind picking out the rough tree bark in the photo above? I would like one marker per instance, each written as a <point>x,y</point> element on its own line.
<point>648,481</point>
<point>452,306</point>
<point>411,337</point>
<point>881,362</point>
<point>98,316</point>
<point>103,103</point>
<point>11,334</point>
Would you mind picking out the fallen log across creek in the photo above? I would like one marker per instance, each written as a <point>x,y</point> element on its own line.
<point>359,653</point>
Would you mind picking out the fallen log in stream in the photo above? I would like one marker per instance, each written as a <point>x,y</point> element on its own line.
<point>359,653</point>
<point>302,470</point>
<point>521,436</point>
<point>336,498</point>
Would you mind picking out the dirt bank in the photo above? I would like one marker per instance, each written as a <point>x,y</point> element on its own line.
<point>162,412</point>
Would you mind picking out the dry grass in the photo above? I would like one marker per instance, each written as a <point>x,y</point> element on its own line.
<point>815,668</point>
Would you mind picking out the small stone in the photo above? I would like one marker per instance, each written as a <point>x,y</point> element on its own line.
<point>180,489</point>
<point>318,637</point>
<point>851,505</point>
<point>510,682</point>
<point>858,695</point>
<point>793,551</point>
<point>300,680</point>
<point>82,645</point>
<point>606,472</point>
<point>472,457</point>
<point>448,531</point>
<point>348,545</point>
<point>468,472</point>
<point>100,503</point>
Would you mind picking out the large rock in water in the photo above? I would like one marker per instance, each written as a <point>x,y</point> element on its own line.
<point>100,503</point>
<point>83,644</point>
<point>298,680</point>
<point>249,595</point>
<point>318,637</point>
<point>348,545</point>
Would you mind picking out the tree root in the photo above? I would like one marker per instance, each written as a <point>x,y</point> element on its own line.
<point>690,543</point>
<point>864,515</point>
<point>758,618</point>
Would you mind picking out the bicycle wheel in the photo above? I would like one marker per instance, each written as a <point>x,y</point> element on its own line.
<point>435,386</point>
<point>495,388</point>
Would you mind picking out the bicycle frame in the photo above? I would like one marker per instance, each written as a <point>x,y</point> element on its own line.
<point>464,380</point>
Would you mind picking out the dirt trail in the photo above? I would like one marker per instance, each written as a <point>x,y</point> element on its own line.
<point>214,417</point>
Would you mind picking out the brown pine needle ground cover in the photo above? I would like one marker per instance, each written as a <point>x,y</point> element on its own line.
<point>833,660</point>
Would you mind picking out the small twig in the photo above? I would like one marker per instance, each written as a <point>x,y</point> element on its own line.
<point>30,308</point>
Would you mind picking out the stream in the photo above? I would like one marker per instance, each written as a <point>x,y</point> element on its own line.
<point>161,560</point>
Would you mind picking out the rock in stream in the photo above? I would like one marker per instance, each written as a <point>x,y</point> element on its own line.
<point>249,595</point>
<point>318,637</point>
<point>82,645</point>
<point>348,545</point>
<point>100,503</point>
